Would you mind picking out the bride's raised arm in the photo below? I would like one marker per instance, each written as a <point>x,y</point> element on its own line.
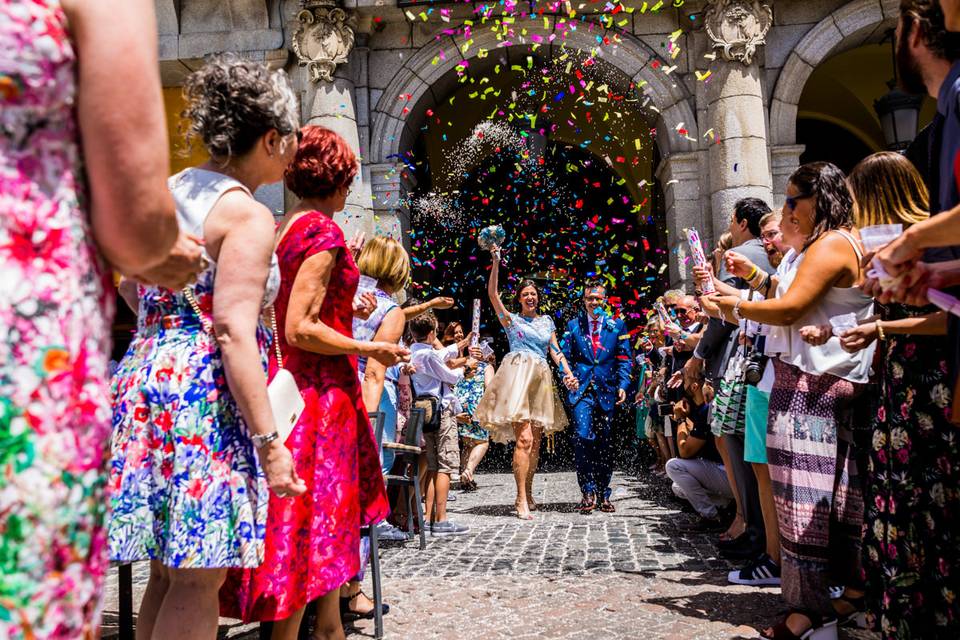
<point>493,290</point>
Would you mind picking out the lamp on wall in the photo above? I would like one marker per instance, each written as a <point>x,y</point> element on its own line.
<point>899,112</point>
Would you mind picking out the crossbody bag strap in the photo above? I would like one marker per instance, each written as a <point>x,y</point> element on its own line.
<point>276,335</point>
<point>208,325</point>
<point>204,320</point>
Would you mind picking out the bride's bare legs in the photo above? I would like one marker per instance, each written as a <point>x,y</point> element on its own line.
<point>521,464</point>
<point>534,463</point>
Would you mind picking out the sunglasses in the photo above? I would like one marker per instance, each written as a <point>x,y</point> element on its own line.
<point>791,201</point>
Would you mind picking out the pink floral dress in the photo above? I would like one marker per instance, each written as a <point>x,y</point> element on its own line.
<point>312,540</point>
<point>56,308</point>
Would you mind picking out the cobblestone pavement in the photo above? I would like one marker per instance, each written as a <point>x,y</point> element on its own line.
<point>563,575</point>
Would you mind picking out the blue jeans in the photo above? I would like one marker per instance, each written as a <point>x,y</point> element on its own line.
<point>591,446</point>
<point>388,406</point>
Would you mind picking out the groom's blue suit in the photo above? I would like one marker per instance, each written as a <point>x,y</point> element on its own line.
<point>601,374</point>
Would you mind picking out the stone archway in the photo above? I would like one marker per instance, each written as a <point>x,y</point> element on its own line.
<point>854,24</point>
<point>420,82</point>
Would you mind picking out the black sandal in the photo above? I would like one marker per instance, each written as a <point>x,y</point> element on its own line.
<point>820,629</point>
<point>347,614</point>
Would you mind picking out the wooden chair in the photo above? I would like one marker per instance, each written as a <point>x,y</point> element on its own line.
<point>408,456</point>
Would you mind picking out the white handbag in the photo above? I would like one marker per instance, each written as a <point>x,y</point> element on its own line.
<point>285,400</point>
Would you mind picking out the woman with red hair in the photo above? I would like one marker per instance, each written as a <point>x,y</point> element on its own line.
<point>312,540</point>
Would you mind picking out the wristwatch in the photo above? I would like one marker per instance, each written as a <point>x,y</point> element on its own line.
<point>260,441</point>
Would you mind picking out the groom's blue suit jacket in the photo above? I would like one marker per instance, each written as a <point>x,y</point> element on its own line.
<point>604,372</point>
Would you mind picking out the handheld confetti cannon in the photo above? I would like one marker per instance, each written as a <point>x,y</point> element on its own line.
<point>696,250</point>
<point>476,323</point>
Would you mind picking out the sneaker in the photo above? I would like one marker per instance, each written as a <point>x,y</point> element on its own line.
<point>760,572</point>
<point>388,532</point>
<point>448,528</point>
<point>836,592</point>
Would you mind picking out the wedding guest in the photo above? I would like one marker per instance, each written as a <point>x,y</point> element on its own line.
<point>912,515</point>
<point>386,261</point>
<point>192,421</point>
<point>520,403</point>
<point>312,541</point>
<point>475,439</point>
<point>70,213</point>
<point>809,433</point>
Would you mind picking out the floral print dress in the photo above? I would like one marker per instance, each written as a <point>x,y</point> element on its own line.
<point>469,391</point>
<point>56,308</point>
<point>912,520</point>
<point>186,485</point>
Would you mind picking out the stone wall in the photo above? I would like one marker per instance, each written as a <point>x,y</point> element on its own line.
<point>388,73</point>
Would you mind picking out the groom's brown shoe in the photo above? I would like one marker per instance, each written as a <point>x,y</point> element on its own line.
<point>588,504</point>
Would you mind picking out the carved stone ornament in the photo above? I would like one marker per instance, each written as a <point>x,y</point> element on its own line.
<point>324,38</point>
<point>738,27</point>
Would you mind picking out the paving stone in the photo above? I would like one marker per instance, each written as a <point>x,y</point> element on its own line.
<point>630,574</point>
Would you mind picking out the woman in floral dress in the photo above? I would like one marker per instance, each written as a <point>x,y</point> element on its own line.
<point>476,439</point>
<point>66,217</point>
<point>195,446</point>
<point>912,521</point>
<point>312,540</point>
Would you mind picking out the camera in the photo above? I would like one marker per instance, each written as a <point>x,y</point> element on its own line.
<point>753,368</point>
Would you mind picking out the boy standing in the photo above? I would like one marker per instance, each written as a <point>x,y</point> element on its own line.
<point>442,446</point>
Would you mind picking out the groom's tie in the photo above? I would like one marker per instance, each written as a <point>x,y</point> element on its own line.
<point>595,335</point>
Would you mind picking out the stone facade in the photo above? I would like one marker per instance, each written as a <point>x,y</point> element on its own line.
<point>366,69</point>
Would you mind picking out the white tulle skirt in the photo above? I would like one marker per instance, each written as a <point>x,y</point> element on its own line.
<point>521,391</point>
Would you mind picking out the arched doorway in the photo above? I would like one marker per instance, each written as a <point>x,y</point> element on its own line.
<point>570,177</point>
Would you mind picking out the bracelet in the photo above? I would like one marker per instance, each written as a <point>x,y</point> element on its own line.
<point>757,279</point>
<point>880,332</point>
<point>752,273</point>
<point>736,311</point>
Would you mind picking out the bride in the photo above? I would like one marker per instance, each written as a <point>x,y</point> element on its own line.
<point>520,403</point>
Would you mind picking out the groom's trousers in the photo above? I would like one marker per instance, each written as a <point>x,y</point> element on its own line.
<point>591,445</point>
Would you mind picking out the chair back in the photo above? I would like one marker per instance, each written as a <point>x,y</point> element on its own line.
<point>414,429</point>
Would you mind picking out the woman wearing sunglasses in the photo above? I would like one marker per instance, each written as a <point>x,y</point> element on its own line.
<point>809,436</point>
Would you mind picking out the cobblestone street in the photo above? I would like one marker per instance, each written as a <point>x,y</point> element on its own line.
<point>563,575</point>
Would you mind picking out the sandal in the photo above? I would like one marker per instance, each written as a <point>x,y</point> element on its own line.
<point>820,628</point>
<point>857,617</point>
<point>348,614</point>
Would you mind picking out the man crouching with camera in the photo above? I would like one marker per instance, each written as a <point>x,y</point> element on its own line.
<point>763,566</point>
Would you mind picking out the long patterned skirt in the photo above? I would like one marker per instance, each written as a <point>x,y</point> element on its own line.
<point>815,485</point>
<point>912,533</point>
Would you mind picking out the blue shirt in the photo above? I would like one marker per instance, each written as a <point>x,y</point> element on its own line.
<point>948,105</point>
<point>530,335</point>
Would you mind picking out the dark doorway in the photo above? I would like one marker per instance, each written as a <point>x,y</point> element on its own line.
<point>825,141</point>
<point>568,218</point>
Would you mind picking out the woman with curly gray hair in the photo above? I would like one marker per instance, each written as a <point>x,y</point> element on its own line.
<point>195,446</point>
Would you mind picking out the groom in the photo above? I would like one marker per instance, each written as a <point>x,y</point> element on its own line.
<point>597,348</point>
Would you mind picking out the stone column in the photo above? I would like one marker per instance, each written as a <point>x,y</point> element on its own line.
<point>390,214</point>
<point>323,41</point>
<point>739,166</point>
<point>784,160</point>
<point>679,175</point>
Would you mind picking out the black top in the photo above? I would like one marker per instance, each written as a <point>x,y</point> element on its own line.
<point>701,431</point>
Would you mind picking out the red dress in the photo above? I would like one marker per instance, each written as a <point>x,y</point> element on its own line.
<point>313,541</point>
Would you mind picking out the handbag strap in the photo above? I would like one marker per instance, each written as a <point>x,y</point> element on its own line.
<point>208,325</point>
<point>204,321</point>
<point>276,335</point>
